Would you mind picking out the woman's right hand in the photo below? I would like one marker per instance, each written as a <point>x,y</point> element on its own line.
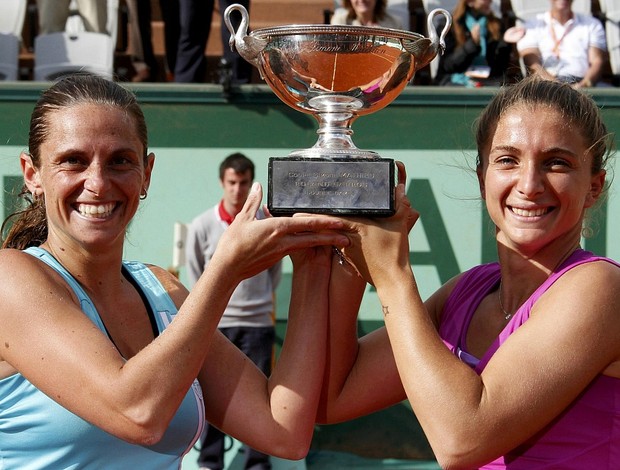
<point>250,246</point>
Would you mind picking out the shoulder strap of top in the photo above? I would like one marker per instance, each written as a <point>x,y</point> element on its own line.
<point>157,296</point>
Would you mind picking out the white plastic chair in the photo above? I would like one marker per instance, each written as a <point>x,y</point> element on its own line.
<point>57,54</point>
<point>75,23</point>
<point>12,15</point>
<point>178,247</point>
<point>76,50</point>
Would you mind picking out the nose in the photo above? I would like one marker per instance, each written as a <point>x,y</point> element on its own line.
<point>95,179</point>
<point>531,180</point>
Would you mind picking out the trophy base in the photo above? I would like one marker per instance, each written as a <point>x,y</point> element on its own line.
<point>336,186</point>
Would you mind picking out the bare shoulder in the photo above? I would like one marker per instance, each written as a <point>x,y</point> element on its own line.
<point>21,270</point>
<point>598,281</point>
<point>585,302</point>
<point>175,288</point>
<point>590,291</point>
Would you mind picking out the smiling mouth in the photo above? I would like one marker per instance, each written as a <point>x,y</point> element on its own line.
<point>97,211</point>
<point>530,212</point>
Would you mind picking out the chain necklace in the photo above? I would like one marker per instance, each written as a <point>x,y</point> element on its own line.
<point>507,315</point>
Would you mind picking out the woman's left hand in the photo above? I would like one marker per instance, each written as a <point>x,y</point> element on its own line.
<point>379,245</point>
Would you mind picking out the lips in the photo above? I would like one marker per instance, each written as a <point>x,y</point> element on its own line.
<point>530,212</point>
<point>96,210</point>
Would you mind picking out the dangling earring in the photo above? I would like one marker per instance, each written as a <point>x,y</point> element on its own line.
<point>143,195</point>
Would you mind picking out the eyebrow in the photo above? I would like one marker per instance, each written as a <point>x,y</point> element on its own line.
<point>545,151</point>
<point>505,148</point>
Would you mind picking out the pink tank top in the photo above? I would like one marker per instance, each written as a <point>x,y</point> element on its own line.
<point>587,433</point>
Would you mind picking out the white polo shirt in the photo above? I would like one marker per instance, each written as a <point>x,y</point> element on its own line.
<point>564,47</point>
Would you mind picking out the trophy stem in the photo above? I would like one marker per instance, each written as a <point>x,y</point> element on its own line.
<point>335,131</point>
<point>335,114</point>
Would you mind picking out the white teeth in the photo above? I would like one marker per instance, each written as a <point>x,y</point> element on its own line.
<point>92,210</point>
<point>529,213</point>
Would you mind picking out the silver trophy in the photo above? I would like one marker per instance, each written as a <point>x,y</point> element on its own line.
<point>336,73</point>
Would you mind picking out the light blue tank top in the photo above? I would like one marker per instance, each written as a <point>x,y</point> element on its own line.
<point>38,433</point>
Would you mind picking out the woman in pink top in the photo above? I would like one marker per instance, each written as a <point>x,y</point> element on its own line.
<point>530,377</point>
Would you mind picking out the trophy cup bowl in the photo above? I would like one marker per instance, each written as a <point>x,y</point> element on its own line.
<point>336,73</point>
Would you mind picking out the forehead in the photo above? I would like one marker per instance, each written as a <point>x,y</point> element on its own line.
<point>537,128</point>
<point>232,174</point>
<point>532,117</point>
<point>88,117</point>
<point>93,123</point>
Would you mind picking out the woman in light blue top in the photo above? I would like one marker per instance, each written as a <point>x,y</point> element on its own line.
<point>105,363</point>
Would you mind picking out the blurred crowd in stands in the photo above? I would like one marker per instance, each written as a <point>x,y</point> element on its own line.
<point>185,41</point>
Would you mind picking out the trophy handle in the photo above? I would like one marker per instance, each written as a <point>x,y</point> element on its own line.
<point>439,41</point>
<point>247,46</point>
<point>426,49</point>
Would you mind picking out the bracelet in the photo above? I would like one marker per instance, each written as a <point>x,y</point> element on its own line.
<point>340,254</point>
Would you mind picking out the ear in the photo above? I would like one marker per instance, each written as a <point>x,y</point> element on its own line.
<point>32,178</point>
<point>480,175</point>
<point>148,170</point>
<point>597,183</point>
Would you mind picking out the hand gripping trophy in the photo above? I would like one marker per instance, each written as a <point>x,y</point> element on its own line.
<point>336,73</point>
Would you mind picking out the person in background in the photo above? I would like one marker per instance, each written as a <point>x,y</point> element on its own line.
<point>170,13</point>
<point>140,33</point>
<point>512,364</point>
<point>195,27</point>
<point>564,45</point>
<point>53,15</point>
<point>476,54</point>
<point>107,363</point>
<point>248,320</point>
<point>365,13</point>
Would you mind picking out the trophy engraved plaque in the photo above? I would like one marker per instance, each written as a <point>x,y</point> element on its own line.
<point>336,73</point>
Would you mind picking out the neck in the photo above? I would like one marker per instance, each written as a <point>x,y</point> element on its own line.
<point>522,273</point>
<point>475,13</point>
<point>366,18</point>
<point>231,209</point>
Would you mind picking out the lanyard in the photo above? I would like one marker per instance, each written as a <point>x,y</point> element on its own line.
<point>556,41</point>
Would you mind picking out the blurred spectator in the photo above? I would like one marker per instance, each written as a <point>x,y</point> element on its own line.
<point>142,55</point>
<point>195,26</point>
<point>365,13</point>
<point>476,53</point>
<point>53,15</point>
<point>565,45</point>
<point>170,12</point>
